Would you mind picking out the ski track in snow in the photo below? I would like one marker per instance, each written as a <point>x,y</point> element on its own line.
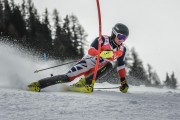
<point>23,105</point>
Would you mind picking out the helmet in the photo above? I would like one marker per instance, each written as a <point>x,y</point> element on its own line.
<point>120,28</point>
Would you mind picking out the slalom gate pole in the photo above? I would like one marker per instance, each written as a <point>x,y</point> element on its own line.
<point>99,44</point>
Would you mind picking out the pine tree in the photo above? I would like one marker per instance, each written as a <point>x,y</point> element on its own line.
<point>6,18</point>
<point>173,83</point>
<point>150,74</point>
<point>10,28</point>
<point>31,29</point>
<point>74,32</point>
<point>153,78</point>
<point>1,18</point>
<point>12,4</point>
<point>79,36</point>
<point>34,28</point>
<point>83,42</point>
<point>137,71</point>
<point>24,23</point>
<point>67,41</point>
<point>18,22</point>
<point>23,9</point>
<point>167,81</point>
<point>46,40</point>
<point>59,36</point>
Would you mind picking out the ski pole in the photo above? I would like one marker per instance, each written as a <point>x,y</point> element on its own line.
<point>36,71</point>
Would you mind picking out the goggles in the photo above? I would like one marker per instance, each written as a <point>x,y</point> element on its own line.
<point>120,36</point>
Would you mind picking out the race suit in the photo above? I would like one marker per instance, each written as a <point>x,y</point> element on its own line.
<point>87,64</point>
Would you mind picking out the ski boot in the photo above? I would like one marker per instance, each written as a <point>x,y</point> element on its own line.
<point>124,86</point>
<point>80,83</point>
<point>81,86</point>
<point>34,87</point>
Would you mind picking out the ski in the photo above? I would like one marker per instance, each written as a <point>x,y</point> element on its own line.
<point>84,89</point>
<point>108,88</point>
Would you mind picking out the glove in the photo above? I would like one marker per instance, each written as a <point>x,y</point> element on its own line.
<point>124,86</point>
<point>106,54</point>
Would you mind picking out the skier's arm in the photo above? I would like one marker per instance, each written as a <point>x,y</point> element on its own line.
<point>93,51</point>
<point>122,73</point>
<point>121,66</point>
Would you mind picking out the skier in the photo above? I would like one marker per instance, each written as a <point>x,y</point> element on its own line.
<point>112,49</point>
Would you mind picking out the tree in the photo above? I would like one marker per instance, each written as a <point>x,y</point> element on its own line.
<point>171,82</point>
<point>1,18</point>
<point>167,81</point>
<point>137,71</point>
<point>67,41</point>
<point>34,28</point>
<point>75,39</point>
<point>6,18</point>
<point>24,24</point>
<point>23,9</point>
<point>46,40</point>
<point>12,4</point>
<point>18,22</point>
<point>59,36</point>
<point>83,42</point>
<point>153,78</point>
<point>31,28</point>
<point>78,36</point>
<point>149,73</point>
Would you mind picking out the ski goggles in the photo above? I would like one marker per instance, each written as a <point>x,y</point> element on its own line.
<point>120,36</point>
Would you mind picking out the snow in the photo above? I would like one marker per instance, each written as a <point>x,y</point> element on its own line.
<point>53,103</point>
<point>106,105</point>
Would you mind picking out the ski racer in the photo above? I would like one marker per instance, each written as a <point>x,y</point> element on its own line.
<point>112,49</point>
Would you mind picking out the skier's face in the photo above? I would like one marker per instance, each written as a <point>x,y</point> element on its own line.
<point>118,42</point>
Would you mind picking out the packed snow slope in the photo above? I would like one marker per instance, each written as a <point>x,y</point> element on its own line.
<point>16,71</point>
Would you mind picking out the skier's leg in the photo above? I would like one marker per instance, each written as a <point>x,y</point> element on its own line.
<point>85,84</point>
<point>81,68</point>
<point>53,80</point>
<point>102,71</point>
<point>104,68</point>
<point>84,67</point>
<point>37,86</point>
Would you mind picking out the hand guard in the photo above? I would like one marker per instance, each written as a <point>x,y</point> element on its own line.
<point>106,54</point>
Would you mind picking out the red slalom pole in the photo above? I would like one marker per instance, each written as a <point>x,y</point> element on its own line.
<point>99,44</point>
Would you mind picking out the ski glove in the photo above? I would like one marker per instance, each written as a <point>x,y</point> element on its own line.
<point>106,54</point>
<point>124,86</point>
